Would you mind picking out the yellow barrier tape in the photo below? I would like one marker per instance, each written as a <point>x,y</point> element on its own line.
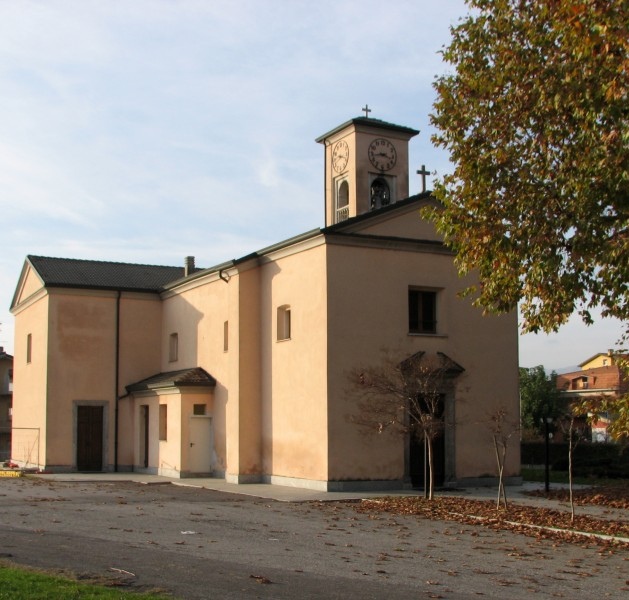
<point>10,473</point>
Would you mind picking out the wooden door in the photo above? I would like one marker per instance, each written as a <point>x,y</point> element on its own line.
<point>89,438</point>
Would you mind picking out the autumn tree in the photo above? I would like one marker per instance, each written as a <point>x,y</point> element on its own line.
<point>502,427</point>
<point>535,116</point>
<point>405,397</point>
<point>536,119</point>
<point>575,434</point>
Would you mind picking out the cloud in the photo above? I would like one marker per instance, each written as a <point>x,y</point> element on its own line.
<point>147,130</point>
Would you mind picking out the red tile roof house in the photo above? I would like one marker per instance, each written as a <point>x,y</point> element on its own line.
<point>599,375</point>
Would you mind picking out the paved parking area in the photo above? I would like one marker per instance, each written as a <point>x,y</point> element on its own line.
<point>205,543</point>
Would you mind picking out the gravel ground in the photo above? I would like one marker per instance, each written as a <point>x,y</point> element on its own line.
<point>198,543</point>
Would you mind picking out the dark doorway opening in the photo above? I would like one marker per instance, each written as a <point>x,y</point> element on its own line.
<point>419,461</point>
<point>145,435</point>
<point>418,455</point>
<point>89,438</point>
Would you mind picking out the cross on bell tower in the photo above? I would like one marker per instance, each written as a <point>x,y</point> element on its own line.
<point>423,172</point>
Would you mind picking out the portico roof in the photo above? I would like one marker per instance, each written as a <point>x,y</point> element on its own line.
<point>195,377</point>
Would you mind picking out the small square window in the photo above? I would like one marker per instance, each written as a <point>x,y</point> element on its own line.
<point>173,347</point>
<point>199,409</point>
<point>283,323</point>
<point>422,311</point>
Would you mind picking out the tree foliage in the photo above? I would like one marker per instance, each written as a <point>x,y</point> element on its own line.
<point>616,408</point>
<point>535,116</point>
<point>539,398</point>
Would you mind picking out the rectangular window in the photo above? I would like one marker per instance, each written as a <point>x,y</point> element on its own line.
<point>225,336</point>
<point>283,323</point>
<point>29,347</point>
<point>422,311</point>
<point>173,347</point>
<point>198,409</point>
<point>163,422</point>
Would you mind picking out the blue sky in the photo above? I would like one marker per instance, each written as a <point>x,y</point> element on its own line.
<point>148,130</point>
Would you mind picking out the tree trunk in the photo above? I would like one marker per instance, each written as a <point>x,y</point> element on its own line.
<point>431,471</point>
<point>570,452</point>
<point>500,461</point>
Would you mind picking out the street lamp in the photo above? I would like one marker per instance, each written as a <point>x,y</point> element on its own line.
<point>547,421</point>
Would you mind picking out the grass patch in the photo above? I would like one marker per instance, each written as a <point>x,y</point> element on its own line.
<point>537,474</point>
<point>20,583</point>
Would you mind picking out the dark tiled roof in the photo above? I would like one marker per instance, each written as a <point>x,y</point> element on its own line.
<point>371,123</point>
<point>379,211</point>
<point>78,273</point>
<point>4,355</point>
<point>184,378</point>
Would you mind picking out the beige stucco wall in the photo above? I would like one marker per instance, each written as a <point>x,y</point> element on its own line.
<point>170,456</point>
<point>599,360</point>
<point>405,223</point>
<point>269,407</point>
<point>73,362</point>
<point>30,384</point>
<point>197,313</point>
<point>81,360</point>
<point>28,284</point>
<point>294,371</point>
<point>368,311</point>
<point>140,357</point>
<point>82,356</point>
<point>244,436</point>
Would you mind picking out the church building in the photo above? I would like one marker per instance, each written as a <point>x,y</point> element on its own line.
<point>241,370</point>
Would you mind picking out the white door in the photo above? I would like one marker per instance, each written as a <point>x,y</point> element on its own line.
<point>200,442</point>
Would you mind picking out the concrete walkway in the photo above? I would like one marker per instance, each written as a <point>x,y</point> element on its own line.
<point>260,490</point>
<point>281,493</point>
<point>517,493</point>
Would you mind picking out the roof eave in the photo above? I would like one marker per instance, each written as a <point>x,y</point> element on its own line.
<point>375,123</point>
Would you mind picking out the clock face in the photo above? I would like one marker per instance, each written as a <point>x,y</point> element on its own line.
<point>340,156</point>
<point>382,154</point>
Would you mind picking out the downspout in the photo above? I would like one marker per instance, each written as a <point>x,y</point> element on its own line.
<point>222,273</point>
<point>325,183</point>
<point>117,380</point>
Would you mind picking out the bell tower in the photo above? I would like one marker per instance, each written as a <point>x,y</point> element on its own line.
<point>366,166</point>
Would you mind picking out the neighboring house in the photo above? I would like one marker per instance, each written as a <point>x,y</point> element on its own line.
<point>599,375</point>
<point>6,394</point>
<point>241,370</point>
